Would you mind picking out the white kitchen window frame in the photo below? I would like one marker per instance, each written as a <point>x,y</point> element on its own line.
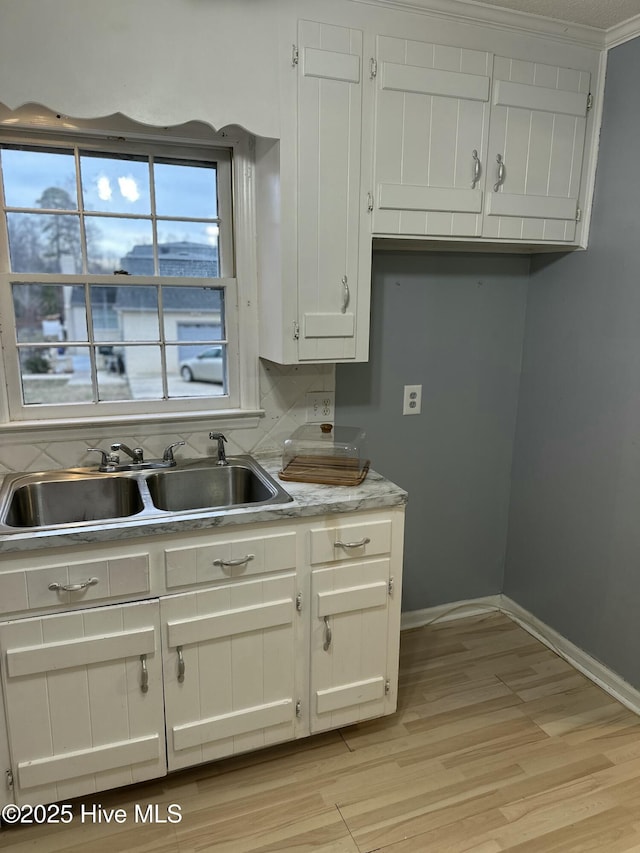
<point>238,277</point>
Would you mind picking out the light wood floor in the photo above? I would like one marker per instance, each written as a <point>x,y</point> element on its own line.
<point>498,744</point>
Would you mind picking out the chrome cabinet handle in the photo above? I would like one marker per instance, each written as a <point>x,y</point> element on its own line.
<point>327,634</point>
<point>476,169</point>
<point>144,675</point>
<point>230,564</point>
<point>501,173</point>
<point>346,296</point>
<point>73,587</point>
<point>364,541</point>
<point>181,666</point>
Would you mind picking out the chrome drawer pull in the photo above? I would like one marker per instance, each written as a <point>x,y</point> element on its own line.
<point>327,634</point>
<point>180,664</point>
<point>364,541</point>
<point>144,675</point>
<point>231,564</point>
<point>72,587</point>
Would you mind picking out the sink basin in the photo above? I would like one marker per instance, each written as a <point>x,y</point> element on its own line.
<point>73,499</point>
<point>211,486</point>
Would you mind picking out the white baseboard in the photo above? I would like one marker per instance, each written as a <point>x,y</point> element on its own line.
<point>447,612</point>
<point>600,674</point>
<point>593,669</point>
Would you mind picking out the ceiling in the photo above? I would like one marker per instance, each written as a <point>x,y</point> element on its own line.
<point>602,14</point>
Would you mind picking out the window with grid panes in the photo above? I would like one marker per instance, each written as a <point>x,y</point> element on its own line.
<point>119,292</point>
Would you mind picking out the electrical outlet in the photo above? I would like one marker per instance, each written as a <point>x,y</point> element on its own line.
<point>320,406</point>
<point>412,401</point>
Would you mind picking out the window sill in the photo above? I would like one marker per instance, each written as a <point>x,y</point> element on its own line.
<point>25,432</point>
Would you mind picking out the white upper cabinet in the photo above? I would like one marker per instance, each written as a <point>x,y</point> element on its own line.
<point>329,130</point>
<point>538,126</point>
<point>468,144</point>
<point>405,124</point>
<point>432,116</point>
<point>314,238</point>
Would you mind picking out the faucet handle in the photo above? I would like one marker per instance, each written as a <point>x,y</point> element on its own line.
<point>104,461</point>
<point>107,459</point>
<point>167,456</point>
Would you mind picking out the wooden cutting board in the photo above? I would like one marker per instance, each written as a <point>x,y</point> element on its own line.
<point>330,470</point>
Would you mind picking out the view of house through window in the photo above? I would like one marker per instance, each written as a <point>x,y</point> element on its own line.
<point>116,270</point>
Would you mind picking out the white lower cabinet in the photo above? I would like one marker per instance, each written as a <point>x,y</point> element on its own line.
<point>356,563</point>
<point>244,638</point>
<point>83,701</point>
<point>350,678</point>
<point>229,669</point>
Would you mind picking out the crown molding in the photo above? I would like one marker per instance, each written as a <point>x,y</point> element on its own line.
<point>505,19</point>
<point>623,32</point>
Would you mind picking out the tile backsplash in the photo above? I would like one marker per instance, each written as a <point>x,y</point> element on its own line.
<point>283,392</point>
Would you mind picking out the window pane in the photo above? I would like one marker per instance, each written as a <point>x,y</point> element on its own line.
<point>39,178</point>
<point>115,184</point>
<point>49,312</point>
<point>75,314</point>
<point>112,379</point>
<point>141,368</point>
<point>135,309</point>
<point>40,242</point>
<point>193,314</point>
<point>48,377</point>
<point>184,189</point>
<point>201,374</point>
<point>119,244</point>
<point>104,317</point>
<point>188,249</point>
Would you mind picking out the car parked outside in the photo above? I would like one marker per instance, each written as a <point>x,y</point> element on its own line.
<point>208,366</point>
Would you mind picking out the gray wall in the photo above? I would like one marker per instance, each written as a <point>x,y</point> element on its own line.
<point>574,536</point>
<point>453,323</point>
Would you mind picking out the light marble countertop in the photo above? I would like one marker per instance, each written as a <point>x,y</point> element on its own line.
<point>376,492</point>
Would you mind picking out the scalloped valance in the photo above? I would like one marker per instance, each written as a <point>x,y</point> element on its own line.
<point>159,62</point>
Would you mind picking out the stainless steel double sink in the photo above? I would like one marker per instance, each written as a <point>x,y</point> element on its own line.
<point>81,496</point>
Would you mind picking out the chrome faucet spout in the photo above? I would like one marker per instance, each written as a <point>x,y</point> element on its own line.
<point>220,438</point>
<point>136,454</point>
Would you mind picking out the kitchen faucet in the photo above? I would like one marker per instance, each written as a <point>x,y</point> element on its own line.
<point>110,462</point>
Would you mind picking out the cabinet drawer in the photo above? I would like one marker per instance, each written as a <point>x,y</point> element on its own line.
<point>116,576</point>
<point>229,558</point>
<point>346,541</point>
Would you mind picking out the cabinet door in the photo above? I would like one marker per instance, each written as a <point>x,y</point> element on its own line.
<point>432,109</point>
<point>349,643</point>
<point>538,126</point>
<point>84,704</point>
<point>329,128</point>
<point>229,669</point>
